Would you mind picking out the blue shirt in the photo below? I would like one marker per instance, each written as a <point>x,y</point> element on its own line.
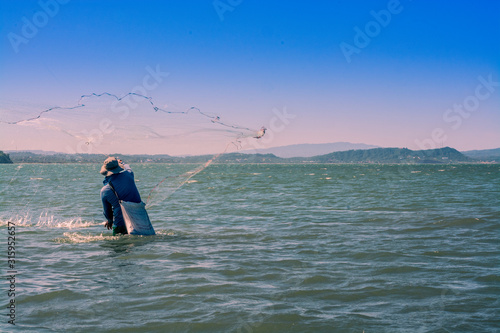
<point>124,185</point>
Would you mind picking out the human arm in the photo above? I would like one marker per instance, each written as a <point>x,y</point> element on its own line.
<point>107,211</point>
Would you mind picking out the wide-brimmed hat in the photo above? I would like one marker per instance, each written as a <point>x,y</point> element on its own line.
<point>111,166</point>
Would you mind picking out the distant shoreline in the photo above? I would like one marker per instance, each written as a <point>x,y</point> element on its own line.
<point>401,156</point>
<point>264,163</point>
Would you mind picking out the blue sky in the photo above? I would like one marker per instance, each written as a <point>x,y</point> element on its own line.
<point>244,59</point>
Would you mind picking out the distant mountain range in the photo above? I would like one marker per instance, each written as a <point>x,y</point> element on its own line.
<point>395,155</point>
<point>374,155</point>
<point>309,149</point>
<point>485,155</point>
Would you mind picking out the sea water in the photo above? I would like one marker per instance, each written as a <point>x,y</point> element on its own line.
<point>256,248</point>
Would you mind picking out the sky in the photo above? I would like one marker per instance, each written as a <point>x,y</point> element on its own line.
<point>417,74</point>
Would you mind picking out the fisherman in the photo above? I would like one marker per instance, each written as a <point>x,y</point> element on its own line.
<point>121,179</point>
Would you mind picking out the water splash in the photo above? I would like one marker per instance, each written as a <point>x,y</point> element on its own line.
<point>46,220</point>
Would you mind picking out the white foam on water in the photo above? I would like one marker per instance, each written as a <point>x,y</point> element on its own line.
<point>81,237</point>
<point>76,237</point>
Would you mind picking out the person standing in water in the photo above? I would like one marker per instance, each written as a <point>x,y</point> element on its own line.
<point>121,178</point>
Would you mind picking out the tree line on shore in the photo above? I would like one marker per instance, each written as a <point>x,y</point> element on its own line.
<point>4,158</point>
<point>376,155</point>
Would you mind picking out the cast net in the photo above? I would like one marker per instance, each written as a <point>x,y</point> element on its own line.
<point>106,124</point>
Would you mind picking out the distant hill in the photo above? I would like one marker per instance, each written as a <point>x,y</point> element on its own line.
<point>309,149</point>
<point>4,158</point>
<point>394,155</point>
<point>489,155</point>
